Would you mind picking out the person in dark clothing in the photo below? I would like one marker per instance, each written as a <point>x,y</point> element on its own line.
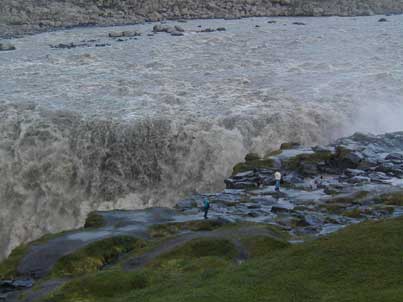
<point>206,207</point>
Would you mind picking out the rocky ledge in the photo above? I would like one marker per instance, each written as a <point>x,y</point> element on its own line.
<point>323,189</point>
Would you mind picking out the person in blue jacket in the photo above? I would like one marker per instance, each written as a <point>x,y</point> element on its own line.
<point>206,207</point>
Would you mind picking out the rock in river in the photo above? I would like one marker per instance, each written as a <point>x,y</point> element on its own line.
<point>6,47</point>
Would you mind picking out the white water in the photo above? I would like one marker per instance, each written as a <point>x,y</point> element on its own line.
<point>142,122</point>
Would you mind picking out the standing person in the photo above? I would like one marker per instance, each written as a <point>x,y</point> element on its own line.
<point>206,207</point>
<point>277,178</point>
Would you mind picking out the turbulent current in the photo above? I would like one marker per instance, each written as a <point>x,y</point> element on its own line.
<point>145,121</point>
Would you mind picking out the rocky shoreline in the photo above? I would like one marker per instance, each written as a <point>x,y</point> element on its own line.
<point>20,18</point>
<point>324,189</point>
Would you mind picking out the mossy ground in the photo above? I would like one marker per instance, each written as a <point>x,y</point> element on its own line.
<point>203,247</point>
<point>94,256</point>
<point>101,286</point>
<point>258,246</point>
<point>360,263</point>
<point>169,229</point>
<point>394,198</point>
<point>253,164</point>
<point>356,198</point>
<point>8,268</point>
<point>252,157</point>
<point>273,153</point>
<point>295,163</point>
<point>354,213</point>
<point>289,145</point>
<point>197,255</point>
<point>94,220</point>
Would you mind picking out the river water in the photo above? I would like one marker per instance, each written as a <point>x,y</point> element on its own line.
<point>145,121</point>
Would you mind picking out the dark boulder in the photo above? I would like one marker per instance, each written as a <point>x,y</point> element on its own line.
<point>12,285</point>
<point>131,33</point>
<point>394,156</point>
<point>163,28</point>
<point>252,157</point>
<point>177,34</point>
<point>69,45</point>
<point>6,47</point>
<point>207,30</point>
<point>115,34</point>
<point>179,29</point>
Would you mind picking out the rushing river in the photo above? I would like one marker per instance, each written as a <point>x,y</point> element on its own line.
<point>145,121</point>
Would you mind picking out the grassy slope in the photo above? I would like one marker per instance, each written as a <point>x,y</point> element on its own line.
<point>94,256</point>
<point>360,263</point>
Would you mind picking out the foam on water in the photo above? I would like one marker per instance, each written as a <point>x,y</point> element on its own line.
<point>144,121</point>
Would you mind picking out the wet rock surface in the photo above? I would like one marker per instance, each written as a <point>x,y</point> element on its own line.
<point>324,188</point>
<point>10,287</point>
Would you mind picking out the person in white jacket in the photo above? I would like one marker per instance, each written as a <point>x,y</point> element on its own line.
<point>277,178</point>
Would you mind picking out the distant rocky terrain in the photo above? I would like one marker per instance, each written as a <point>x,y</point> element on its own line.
<point>23,17</point>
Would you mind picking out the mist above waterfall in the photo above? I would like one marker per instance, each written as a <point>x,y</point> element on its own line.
<point>145,122</point>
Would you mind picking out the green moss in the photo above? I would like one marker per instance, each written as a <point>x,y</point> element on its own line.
<point>252,157</point>
<point>360,263</point>
<point>197,248</point>
<point>355,213</point>
<point>94,220</point>
<point>169,229</point>
<point>394,198</point>
<point>332,192</point>
<point>356,198</point>
<point>334,208</point>
<point>100,286</point>
<point>289,145</point>
<point>389,209</point>
<point>191,264</point>
<point>342,152</point>
<point>253,164</point>
<point>258,246</point>
<point>277,232</point>
<point>94,256</point>
<point>273,153</point>
<point>295,163</point>
<point>8,268</point>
